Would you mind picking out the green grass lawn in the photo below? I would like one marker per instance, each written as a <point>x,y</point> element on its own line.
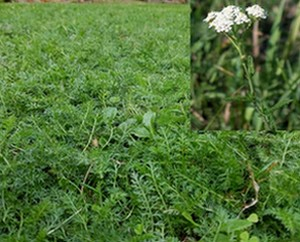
<point>95,140</point>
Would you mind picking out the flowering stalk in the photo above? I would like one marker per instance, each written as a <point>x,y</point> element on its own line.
<point>227,21</point>
<point>248,75</point>
<point>242,57</point>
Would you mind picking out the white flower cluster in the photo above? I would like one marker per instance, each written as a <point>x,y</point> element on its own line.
<point>257,12</point>
<point>232,15</point>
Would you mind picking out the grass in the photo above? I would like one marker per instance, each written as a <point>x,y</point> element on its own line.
<point>220,92</point>
<point>95,140</point>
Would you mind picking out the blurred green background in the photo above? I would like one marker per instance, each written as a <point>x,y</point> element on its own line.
<point>218,86</point>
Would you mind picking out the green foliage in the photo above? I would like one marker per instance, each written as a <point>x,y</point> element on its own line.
<point>234,230</point>
<point>95,140</point>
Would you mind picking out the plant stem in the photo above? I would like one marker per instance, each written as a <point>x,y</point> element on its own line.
<point>242,56</point>
<point>235,44</point>
<point>249,79</point>
<point>248,76</point>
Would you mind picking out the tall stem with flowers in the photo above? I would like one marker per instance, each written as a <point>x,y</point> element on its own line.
<point>228,22</point>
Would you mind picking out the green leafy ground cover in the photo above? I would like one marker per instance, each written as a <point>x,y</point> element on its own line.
<point>95,140</point>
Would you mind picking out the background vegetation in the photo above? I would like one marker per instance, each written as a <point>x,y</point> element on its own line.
<point>95,140</point>
<point>219,91</point>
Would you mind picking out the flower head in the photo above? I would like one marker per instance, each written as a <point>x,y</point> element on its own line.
<point>241,18</point>
<point>221,23</point>
<point>211,16</point>
<point>256,11</point>
<point>231,15</point>
<point>231,12</point>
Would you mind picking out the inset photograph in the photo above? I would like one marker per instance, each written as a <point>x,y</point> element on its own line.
<point>245,65</point>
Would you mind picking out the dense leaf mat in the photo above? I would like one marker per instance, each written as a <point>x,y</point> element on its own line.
<point>95,140</point>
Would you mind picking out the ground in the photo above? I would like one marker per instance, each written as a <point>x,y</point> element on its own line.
<point>95,138</point>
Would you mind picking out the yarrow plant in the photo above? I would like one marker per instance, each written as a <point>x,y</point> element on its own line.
<point>230,21</point>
